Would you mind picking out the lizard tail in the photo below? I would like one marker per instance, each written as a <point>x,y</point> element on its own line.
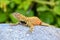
<point>44,24</point>
<point>47,25</point>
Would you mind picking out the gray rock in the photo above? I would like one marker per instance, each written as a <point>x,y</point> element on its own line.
<point>21,32</point>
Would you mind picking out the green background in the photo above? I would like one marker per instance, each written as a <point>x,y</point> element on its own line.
<point>47,10</point>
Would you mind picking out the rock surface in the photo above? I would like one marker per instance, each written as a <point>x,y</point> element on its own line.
<point>20,32</point>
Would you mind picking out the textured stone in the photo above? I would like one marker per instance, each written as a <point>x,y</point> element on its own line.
<point>20,32</point>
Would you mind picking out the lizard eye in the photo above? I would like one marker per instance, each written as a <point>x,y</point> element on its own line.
<point>23,22</point>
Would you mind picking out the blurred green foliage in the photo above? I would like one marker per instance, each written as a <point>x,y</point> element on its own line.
<point>47,10</point>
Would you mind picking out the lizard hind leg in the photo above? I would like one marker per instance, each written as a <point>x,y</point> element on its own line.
<point>30,26</point>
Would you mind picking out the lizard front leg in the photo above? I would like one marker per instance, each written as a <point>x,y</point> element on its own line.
<point>14,24</point>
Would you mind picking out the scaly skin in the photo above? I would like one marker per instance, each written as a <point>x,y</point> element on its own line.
<point>30,21</point>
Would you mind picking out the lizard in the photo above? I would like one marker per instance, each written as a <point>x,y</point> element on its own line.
<point>29,21</point>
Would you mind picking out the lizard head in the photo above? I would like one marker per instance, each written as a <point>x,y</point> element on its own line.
<point>16,15</point>
<point>19,16</point>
